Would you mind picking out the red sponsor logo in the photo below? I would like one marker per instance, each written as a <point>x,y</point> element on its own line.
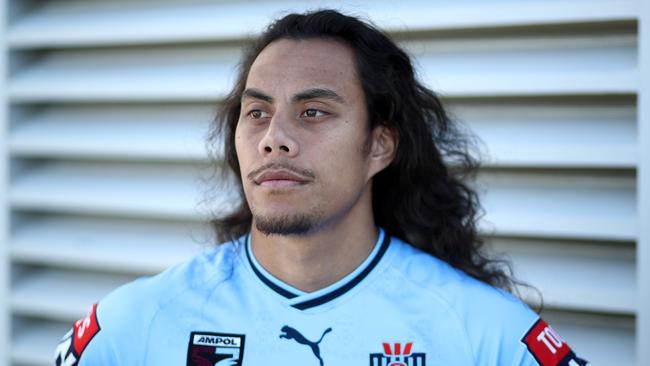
<point>545,344</point>
<point>84,331</point>
<point>397,352</point>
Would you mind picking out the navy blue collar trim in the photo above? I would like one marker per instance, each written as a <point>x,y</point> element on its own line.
<point>273,286</point>
<point>348,286</point>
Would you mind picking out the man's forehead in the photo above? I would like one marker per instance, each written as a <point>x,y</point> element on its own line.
<point>303,64</point>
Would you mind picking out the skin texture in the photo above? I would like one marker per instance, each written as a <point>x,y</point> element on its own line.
<point>307,159</point>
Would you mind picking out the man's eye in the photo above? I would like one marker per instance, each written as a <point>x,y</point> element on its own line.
<point>311,113</point>
<point>257,114</point>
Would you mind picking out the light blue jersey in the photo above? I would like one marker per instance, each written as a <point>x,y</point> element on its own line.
<point>399,307</point>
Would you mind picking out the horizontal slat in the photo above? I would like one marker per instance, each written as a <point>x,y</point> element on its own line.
<point>186,73</point>
<point>125,132</point>
<point>91,23</point>
<point>570,274</point>
<point>567,132</point>
<point>128,246</point>
<point>601,339</point>
<point>529,64</point>
<point>152,191</point>
<point>559,204</point>
<point>60,295</point>
<point>33,343</point>
<point>468,66</point>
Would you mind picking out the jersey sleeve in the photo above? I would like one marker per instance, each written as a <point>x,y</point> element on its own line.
<point>113,333</point>
<point>505,331</point>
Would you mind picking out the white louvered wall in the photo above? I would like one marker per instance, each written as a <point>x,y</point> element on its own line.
<point>108,104</point>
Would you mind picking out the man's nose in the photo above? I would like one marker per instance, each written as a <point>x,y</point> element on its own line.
<point>279,138</point>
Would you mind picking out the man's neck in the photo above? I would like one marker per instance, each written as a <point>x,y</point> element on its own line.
<point>314,261</point>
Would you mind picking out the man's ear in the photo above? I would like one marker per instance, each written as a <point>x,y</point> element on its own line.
<point>382,149</point>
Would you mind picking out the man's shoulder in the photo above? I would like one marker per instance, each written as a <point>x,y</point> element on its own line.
<point>212,265</point>
<point>121,320</point>
<point>485,314</point>
<point>497,325</point>
<point>199,273</point>
<point>440,278</point>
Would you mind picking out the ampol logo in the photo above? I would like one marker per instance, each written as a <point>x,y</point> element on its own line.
<point>215,349</point>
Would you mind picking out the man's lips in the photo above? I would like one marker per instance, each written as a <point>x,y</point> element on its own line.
<point>280,175</point>
<point>279,179</point>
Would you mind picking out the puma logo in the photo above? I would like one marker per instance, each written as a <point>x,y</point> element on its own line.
<point>290,333</point>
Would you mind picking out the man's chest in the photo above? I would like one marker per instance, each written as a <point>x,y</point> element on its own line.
<point>277,338</point>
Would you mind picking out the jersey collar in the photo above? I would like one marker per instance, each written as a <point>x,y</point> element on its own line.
<point>302,300</point>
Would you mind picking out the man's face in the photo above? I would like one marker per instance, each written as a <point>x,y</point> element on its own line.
<point>302,137</point>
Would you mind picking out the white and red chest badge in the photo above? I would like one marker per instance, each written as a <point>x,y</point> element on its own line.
<point>548,348</point>
<point>398,354</point>
<point>76,340</point>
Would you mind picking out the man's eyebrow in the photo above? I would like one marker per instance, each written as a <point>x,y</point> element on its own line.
<point>256,94</point>
<point>318,93</point>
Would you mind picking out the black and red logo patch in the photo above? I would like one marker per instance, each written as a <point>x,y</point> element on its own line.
<point>398,354</point>
<point>548,348</point>
<point>76,340</point>
<point>209,349</point>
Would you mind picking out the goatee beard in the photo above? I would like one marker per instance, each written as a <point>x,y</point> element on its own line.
<point>285,225</point>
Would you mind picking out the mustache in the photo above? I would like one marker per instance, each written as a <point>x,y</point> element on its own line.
<point>281,166</point>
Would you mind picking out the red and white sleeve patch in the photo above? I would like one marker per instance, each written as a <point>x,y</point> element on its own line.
<point>548,348</point>
<point>84,330</point>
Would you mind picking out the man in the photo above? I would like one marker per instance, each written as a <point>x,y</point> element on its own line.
<point>354,243</point>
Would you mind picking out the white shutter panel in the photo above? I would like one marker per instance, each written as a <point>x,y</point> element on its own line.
<point>109,104</point>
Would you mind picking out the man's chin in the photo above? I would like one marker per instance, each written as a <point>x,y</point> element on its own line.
<point>284,225</point>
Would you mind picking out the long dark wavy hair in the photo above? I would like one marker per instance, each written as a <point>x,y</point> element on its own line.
<point>422,197</point>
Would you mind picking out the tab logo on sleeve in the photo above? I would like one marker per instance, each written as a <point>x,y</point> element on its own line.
<point>84,331</point>
<point>76,340</point>
<point>548,348</point>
